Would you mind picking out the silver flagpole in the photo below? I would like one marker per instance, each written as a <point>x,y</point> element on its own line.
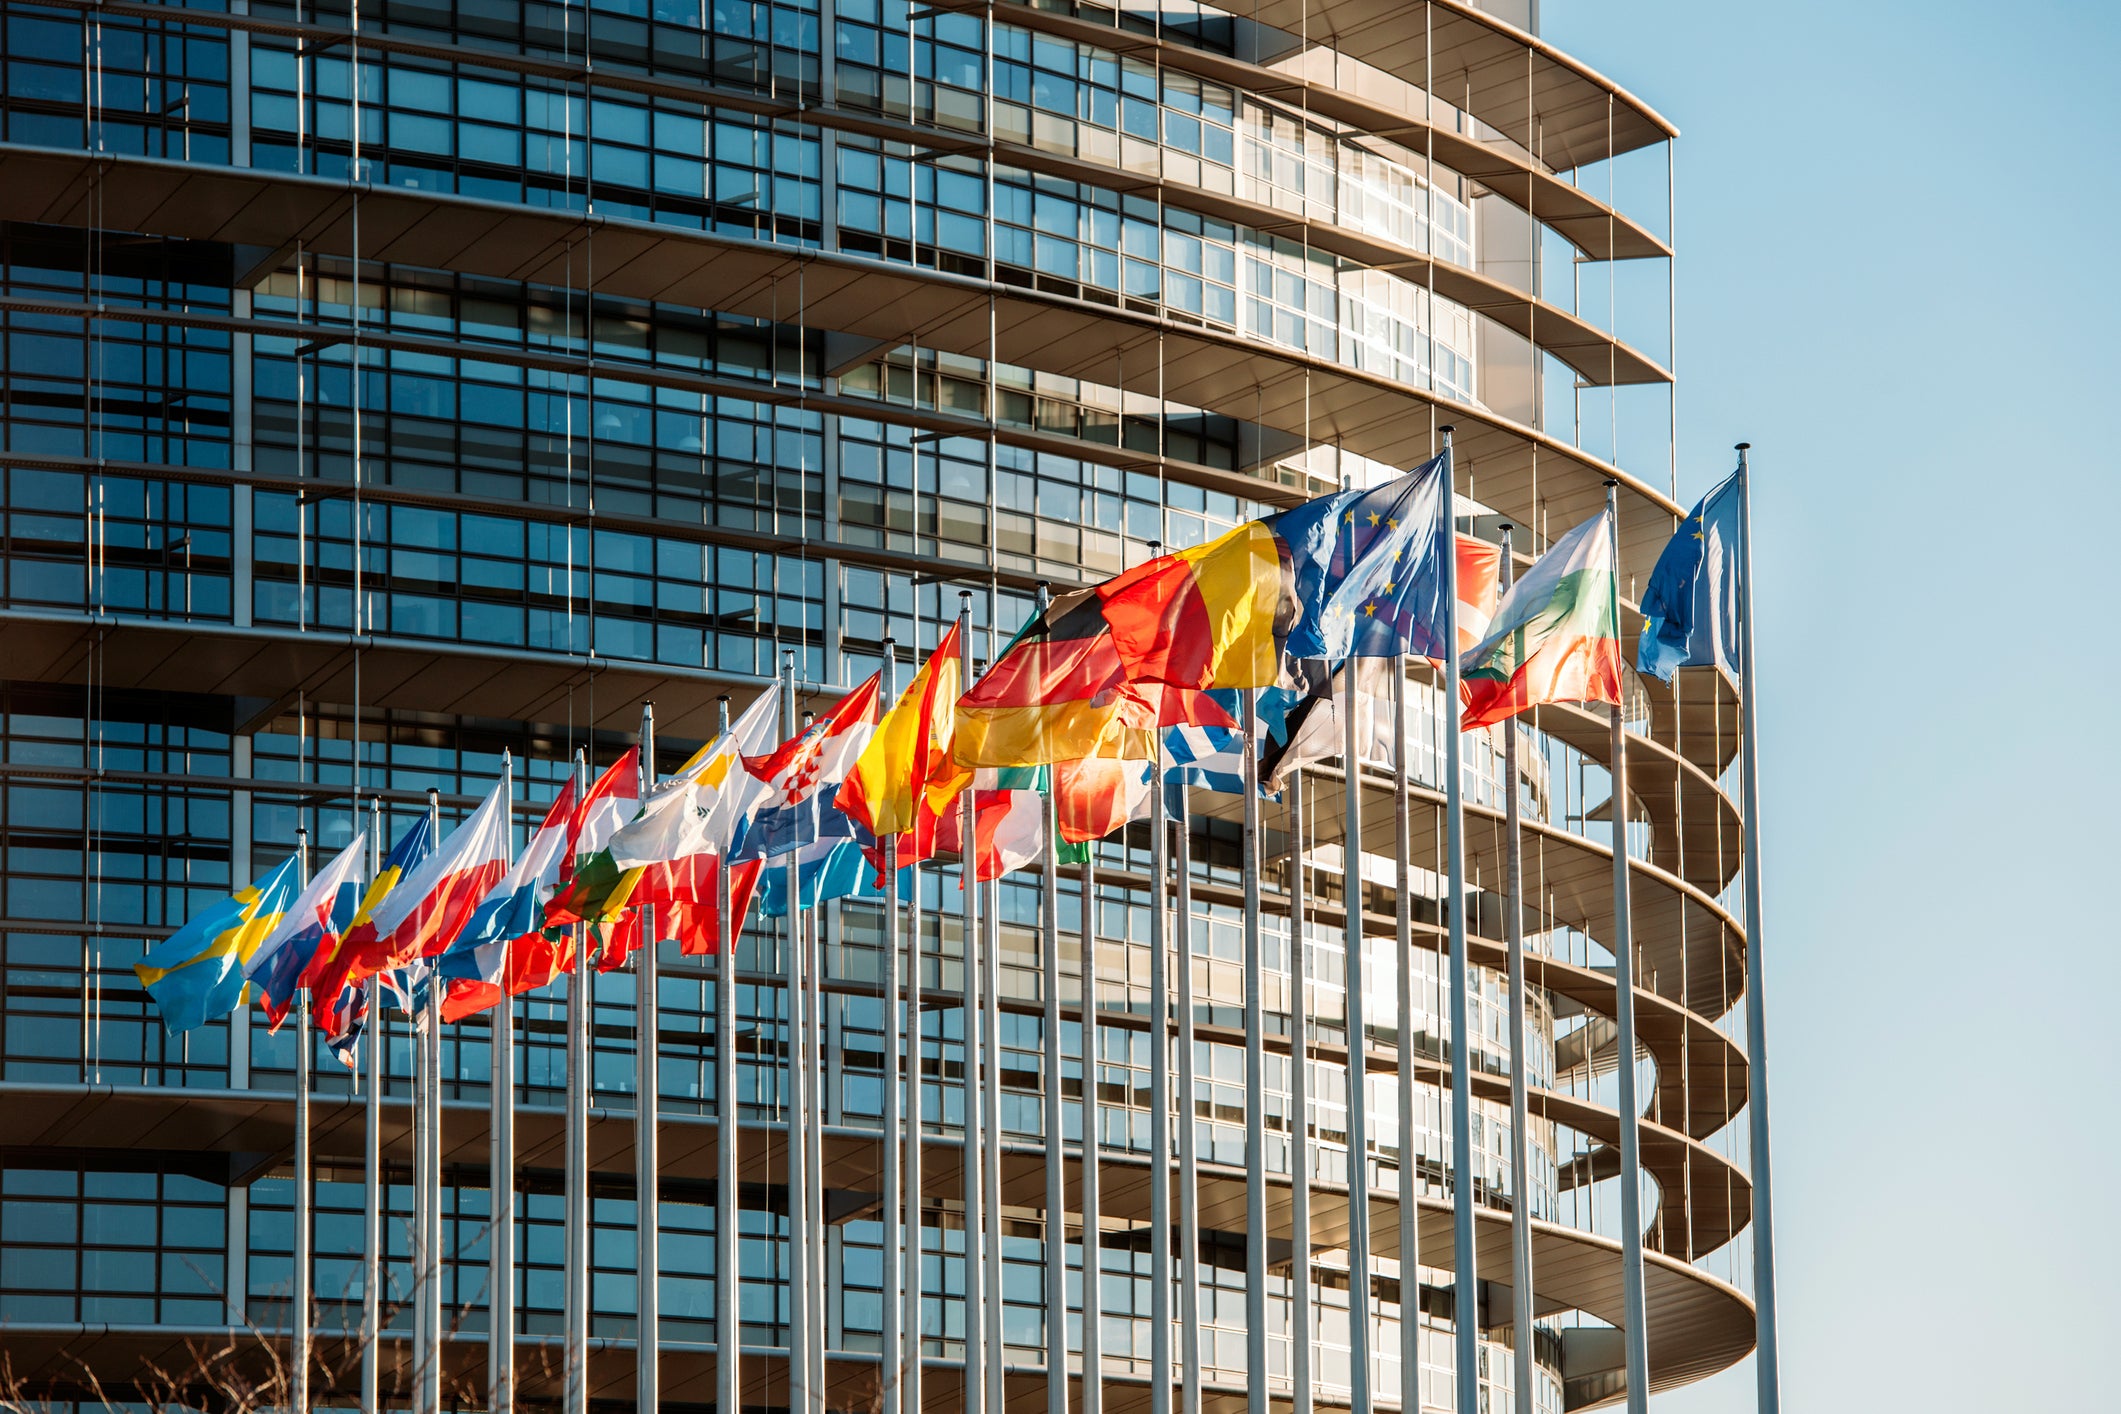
<point>431,1176</point>
<point>1159,1101</point>
<point>969,1183</point>
<point>1767,1359</point>
<point>1301,1280</point>
<point>1093,1397</point>
<point>991,1151</point>
<point>916,1207</point>
<point>1636,1338</point>
<point>800,1332</point>
<point>814,1057</point>
<point>416,1033</point>
<point>1403,943</point>
<point>1465,1301</point>
<point>305,1199</point>
<point>1056,1153</point>
<point>647,1153</point>
<point>728,1201</point>
<point>1188,1136</point>
<point>501,1249</point>
<point>894,1040</point>
<point>378,1028</point>
<point>1358,1066</point>
<point>1521,1305</point>
<point>581,1007</point>
<point>1255,1083</point>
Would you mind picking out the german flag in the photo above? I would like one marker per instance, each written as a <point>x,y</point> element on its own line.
<point>1061,692</point>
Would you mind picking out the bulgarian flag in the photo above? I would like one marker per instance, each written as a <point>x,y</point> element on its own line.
<point>1556,634</point>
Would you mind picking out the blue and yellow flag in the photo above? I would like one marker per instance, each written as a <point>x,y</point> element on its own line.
<point>196,973</point>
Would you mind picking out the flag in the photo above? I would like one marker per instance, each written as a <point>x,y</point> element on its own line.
<point>832,865</point>
<point>1556,635</point>
<point>332,964</point>
<point>1203,617</point>
<point>277,966</point>
<point>196,973</point>
<point>1211,758</point>
<point>1060,692</point>
<point>1690,610</point>
<point>703,808</point>
<point>346,1018</point>
<point>589,876</point>
<point>1097,795</point>
<point>1479,585</point>
<point>475,966</point>
<point>423,914</point>
<point>1368,569</point>
<point>907,765</point>
<point>795,809</point>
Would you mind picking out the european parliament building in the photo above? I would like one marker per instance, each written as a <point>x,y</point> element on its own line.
<point>392,385</point>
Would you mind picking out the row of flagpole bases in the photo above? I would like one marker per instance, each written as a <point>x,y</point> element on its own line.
<point>902,1381</point>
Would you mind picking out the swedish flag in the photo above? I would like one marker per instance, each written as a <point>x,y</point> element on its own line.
<point>196,973</point>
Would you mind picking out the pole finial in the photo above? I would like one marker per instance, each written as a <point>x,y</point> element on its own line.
<point>721,697</point>
<point>1745,446</point>
<point>1448,428</point>
<point>1612,481</point>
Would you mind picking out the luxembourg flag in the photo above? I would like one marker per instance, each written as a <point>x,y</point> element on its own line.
<point>803,776</point>
<point>276,967</point>
<point>476,966</point>
<point>424,914</point>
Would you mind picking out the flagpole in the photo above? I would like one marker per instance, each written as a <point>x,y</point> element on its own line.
<point>894,1041</point>
<point>1767,1358</point>
<point>1633,1317</point>
<point>1093,1218</point>
<point>431,1180</point>
<point>1521,1305</point>
<point>915,1206</point>
<point>581,1007</point>
<point>1403,943</point>
<point>991,1123</point>
<point>1255,1082</point>
<point>814,1180</point>
<point>1188,1138</point>
<point>969,1182</point>
<point>305,1211</point>
<point>1465,1302</point>
<point>647,1153</point>
<point>800,1331</point>
<point>1301,1335</point>
<point>1358,1061</point>
<point>1056,1251</point>
<point>728,1274</point>
<point>501,1251</point>
<point>1159,1101</point>
<point>378,1028</point>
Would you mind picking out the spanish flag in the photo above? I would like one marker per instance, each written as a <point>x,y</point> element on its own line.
<point>1205,617</point>
<point>908,762</point>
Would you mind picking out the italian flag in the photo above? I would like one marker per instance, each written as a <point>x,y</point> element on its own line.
<point>1555,636</point>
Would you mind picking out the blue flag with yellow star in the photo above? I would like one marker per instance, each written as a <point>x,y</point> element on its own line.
<point>1369,571</point>
<point>1690,609</point>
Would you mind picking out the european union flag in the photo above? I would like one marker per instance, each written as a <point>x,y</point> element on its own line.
<point>1690,610</point>
<point>1369,570</point>
<point>196,973</point>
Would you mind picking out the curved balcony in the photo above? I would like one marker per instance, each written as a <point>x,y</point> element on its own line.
<point>1310,397</point>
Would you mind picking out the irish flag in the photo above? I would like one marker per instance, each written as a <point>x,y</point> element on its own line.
<point>1555,636</point>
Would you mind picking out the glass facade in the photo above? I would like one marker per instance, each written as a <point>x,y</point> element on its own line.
<point>276,469</point>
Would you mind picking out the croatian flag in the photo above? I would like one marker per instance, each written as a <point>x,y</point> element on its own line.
<point>803,775</point>
<point>424,914</point>
<point>276,967</point>
<point>476,964</point>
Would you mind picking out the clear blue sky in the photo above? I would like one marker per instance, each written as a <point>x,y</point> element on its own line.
<point>1894,225</point>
